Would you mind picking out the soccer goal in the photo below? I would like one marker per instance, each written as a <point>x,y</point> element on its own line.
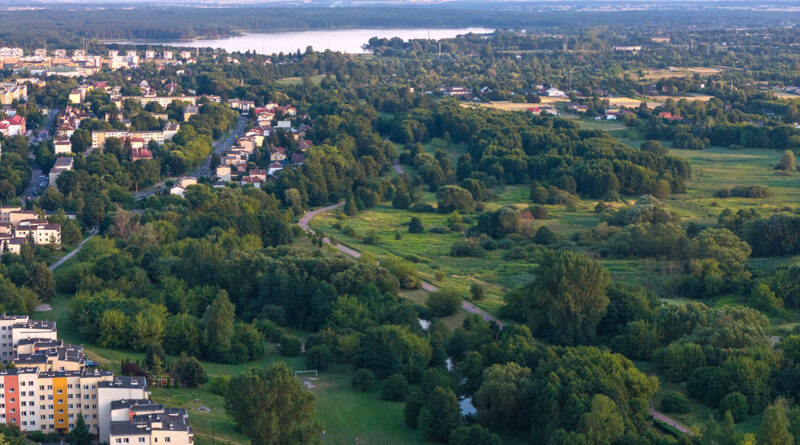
<point>308,374</point>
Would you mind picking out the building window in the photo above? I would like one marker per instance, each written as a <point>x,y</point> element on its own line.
<point>119,440</point>
<point>141,440</point>
<point>60,420</point>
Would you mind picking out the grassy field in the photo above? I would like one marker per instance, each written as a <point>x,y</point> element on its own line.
<point>432,250</point>
<point>672,72</point>
<point>316,79</point>
<point>652,101</point>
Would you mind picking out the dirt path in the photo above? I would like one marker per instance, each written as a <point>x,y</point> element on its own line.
<point>305,220</point>
<point>658,416</point>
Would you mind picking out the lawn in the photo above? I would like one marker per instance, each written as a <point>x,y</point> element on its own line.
<point>346,414</point>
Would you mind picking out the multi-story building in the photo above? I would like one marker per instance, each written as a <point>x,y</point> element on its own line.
<point>118,388</point>
<point>42,232</point>
<point>142,422</point>
<point>12,91</point>
<point>62,145</point>
<point>50,388</point>
<point>13,126</point>
<point>15,53</point>
<point>99,137</point>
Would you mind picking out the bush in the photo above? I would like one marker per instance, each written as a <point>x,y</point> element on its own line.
<point>422,208</point>
<point>270,329</point>
<point>544,236</point>
<point>454,198</point>
<point>289,345</point>
<point>319,357</point>
<point>539,212</point>
<point>440,230</point>
<point>190,372</point>
<point>736,403</point>
<point>219,385</point>
<point>395,388</point>
<point>473,435</point>
<point>443,302</point>
<point>477,292</point>
<point>415,226</point>
<point>675,402</point>
<point>362,380</point>
<point>467,248</point>
<point>753,191</point>
<point>372,238</point>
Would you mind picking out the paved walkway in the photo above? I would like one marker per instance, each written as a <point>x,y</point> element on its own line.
<point>305,220</point>
<point>74,251</point>
<point>658,416</point>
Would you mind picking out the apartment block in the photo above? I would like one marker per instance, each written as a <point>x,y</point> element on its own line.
<point>41,231</point>
<point>142,422</point>
<point>99,137</point>
<point>50,388</point>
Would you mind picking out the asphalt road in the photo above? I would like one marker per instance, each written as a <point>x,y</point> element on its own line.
<point>222,146</point>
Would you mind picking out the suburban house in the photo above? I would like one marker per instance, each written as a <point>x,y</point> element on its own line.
<point>555,92</point>
<point>13,126</point>
<point>252,180</point>
<point>277,154</point>
<point>181,184</point>
<point>141,153</point>
<point>275,167</point>
<point>62,145</point>
<point>224,173</point>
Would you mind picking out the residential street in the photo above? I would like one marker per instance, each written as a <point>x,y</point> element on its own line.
<point>222,146</point>
<point>219,147</point>
<point>35,171</point>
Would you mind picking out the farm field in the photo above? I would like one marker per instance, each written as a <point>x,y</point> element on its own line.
<point>673,72</point>
<point>630,102</point>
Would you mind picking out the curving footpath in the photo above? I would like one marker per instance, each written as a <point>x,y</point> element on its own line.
<point>305,220</point>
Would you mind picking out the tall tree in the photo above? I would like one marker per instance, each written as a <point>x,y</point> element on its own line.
<point>272,407</point>
<point>219,327</point>
<point>567,299</point>
<point>441,415</point>
<point>774,429</point>
<point>80,433</point>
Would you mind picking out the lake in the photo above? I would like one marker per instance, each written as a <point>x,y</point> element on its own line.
<point>346,41</point>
